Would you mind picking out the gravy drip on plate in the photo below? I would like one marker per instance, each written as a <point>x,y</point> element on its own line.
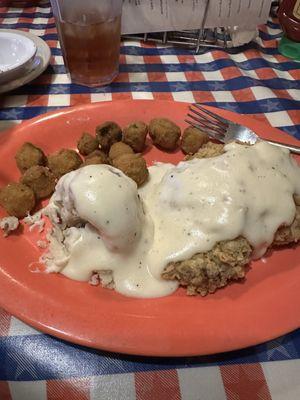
<point>182,210</point>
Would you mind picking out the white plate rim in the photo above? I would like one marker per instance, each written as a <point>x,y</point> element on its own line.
<point>28,56</point>
<point>43,55</point>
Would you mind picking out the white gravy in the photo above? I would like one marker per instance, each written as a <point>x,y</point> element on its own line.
<point>185,209</point>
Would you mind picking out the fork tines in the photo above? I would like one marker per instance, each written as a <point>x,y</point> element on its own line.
<point>207,121</point>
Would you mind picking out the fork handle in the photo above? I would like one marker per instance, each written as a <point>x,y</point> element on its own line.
<point>293,149</point>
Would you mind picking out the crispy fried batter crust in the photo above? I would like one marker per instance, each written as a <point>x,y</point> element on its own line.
<point>206,272</point>
<point>288,234</point>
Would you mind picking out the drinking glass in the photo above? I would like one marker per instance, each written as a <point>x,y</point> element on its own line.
<point>89,33</point>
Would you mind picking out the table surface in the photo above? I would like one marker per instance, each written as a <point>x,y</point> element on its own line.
<point>256,80</point>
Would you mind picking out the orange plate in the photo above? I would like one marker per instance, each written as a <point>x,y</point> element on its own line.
<point>263,307</point>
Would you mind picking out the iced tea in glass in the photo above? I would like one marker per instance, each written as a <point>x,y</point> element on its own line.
<point>89,33</point>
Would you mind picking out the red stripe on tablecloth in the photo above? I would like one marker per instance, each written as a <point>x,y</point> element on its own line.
<point>82,98</point>
<point>270,43</point>
<point>252,53</point>
<point>69,389</point>
<point>265,73</point>
<point>203,97</point>
<point>295,73</point>
<point>121,96</point>
<point>4,322</point>
<point>194,76</point>
<point>219,55</point>
<point>158,385</point>
<point>51,20</point>
<point>147,45</point>
<point>241,95</point>
<point>282,94</point>
<point>37,100</point>
<point>157,77</point>
<point>230,73</point>
<point>280,58</point>
<point>152,59</point>
<point>186,59</point>
<point>25,20</point>
<point>261,118</point>
<point>52,43</point>
<point>122,59</point>
<point>4,391</point>
<point>244,382</point>
<point>191,76</point>
<point>29,10</point>
<point>48,31</point>
<point>162,95</point>
<point>122,77</point>
<point>295,116</point>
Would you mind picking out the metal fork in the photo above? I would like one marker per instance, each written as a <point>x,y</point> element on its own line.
<point>226,131</point>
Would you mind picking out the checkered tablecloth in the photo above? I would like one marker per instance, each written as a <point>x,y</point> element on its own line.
<point>254,80</point>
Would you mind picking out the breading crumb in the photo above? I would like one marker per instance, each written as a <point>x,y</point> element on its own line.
<point>208,150</point>
<point>8,224</point>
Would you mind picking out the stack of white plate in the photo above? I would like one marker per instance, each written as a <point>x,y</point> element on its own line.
<point>23,57</point>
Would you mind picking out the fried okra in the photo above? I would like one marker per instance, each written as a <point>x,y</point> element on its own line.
<point>107,134</point>
<point>135,135</point>
<point>134,166</point>
<point>118,149</point>
<point>29,155</point>
<point>87,144</point>
<point>41,180</point>
<point>96,157</point>
<point>192,139</point>
<point>164,133</point>
<point>17,199</point>
<point>64,161</point>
